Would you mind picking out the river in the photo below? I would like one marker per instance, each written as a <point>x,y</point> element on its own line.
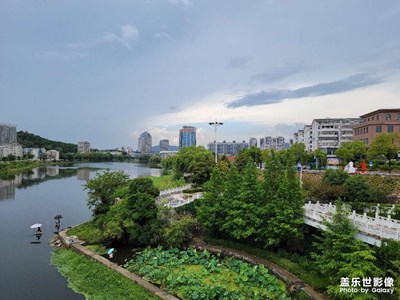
<point>36,197</point>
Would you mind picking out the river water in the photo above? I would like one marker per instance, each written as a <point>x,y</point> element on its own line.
<point>36,197</point>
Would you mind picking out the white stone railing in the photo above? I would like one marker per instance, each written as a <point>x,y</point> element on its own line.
<point>176,202</point>
<point>174,190</point>
<point>380,227</point>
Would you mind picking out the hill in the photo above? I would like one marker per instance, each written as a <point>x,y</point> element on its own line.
<point>30,140</point>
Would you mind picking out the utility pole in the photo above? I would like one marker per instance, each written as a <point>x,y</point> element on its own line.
<point>216,124</point>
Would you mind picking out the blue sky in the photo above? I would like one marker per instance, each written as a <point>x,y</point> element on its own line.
<point>105,71</point>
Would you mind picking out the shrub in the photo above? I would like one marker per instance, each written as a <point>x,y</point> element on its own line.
<point>335,177</point>
<point>181,232</point>
<point>358,190</point>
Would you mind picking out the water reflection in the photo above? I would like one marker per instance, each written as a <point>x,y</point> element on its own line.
<point>37,176</point>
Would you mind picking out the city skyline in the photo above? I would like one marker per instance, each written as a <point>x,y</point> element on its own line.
<point>106,72</point>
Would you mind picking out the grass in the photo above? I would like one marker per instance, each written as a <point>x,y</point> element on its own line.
<point>89,232</point>
<point>166,182</point>
<point>94,280</point>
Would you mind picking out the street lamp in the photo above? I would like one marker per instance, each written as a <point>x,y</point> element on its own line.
<point>216,124</point>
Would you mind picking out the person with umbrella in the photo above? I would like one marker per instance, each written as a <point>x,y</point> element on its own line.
<point>58,221</point>
<point>110,252</point>
<point>38,232</point>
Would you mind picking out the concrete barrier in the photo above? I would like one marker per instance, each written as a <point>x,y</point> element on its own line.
<point>74,243</point>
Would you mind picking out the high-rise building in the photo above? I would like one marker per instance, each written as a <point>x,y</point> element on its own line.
<point>8,134</point>
<point>269,142</point>
<point>164,145</point>
<point>83,147</point>
<point>228,148</point>
<point>298,137</point>
<point>376,122</point>
<point>252,142</point>
<point>187,136</point>
<point>145,143</point>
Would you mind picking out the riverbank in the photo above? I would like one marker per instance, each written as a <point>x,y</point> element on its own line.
<point>15,167</point>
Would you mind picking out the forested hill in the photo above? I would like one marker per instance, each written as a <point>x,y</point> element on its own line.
<point>30,140</point>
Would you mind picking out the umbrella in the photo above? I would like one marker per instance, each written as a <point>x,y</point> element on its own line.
<point>110,251</point>
<point>58,217</point>
<point>36,225</point>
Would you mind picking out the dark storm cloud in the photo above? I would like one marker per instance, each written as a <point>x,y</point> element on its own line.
<point>321,89</point>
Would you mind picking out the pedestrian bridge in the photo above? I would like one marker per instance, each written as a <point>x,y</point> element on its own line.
<point>371,230</point>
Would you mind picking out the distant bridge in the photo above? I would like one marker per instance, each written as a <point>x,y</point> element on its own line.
<point>371,230</point>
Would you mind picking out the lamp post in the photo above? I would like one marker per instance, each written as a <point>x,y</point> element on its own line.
<point>216,124</point>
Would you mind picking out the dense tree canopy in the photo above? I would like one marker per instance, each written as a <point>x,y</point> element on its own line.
<point>247,206</point>
<point>101,190</point>
<point>196,163</point>
<point>340,255</point>
<point>385,146</point>
<point>352,151</point>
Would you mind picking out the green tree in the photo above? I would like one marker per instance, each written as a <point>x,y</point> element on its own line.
<point>351,151</point>
<point>299,153</point>
<point>143,185</point>
<point>135,219</point>
<point>243,157</point>
<point>101,190</point>
<point>282,210</point>
<point>340,255</point>
<point>320,157</point>
<point>195,162</point>
<point>241,221</point>
<point>384,146</point>
<point>212,210</point>
<point>389,261</point>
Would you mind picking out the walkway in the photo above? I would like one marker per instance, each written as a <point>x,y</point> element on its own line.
<point>371,230</point>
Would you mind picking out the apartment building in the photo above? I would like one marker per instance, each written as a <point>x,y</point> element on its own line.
<point>83,147</point>
<point>328,134</point>
<point>275,143</point>
<point>228,148</point>
<point>376,122</point>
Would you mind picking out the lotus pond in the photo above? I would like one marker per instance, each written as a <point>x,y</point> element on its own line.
<point>195,274</point>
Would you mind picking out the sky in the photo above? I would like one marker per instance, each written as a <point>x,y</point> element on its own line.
<point>105,71</point>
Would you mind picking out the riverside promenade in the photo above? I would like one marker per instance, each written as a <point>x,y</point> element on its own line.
<point>74,243</point>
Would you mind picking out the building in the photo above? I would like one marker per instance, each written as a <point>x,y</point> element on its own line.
<point>83,147</point>
<point>377,122</point>
<point>328,134</point>
<point>298,137</point>
<point>252,142</point>
<point>187,136</point>
<point>53,155</point>
<point>37,153</point>
<point>164,154</point>
<point>275,143</point>
<point>308,137</point>
<point>228,148</point>
<point>145,143</point>
<point>11,149</point>
<point>164,145</point>
<point>8,134</point>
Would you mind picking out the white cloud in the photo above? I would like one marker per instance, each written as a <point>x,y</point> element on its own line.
<point>128,35</point>
<point>182,2</point>
<point>269,117</point>
<point>163,35</point>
